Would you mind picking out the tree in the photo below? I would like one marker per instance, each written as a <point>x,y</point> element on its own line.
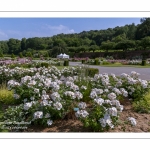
<point>107,45</point>
<point>119,38</point>
<point>125,45</point>
<point>20,55</point>
<point>143,29</point>
<point>55,51</point>
<point>94,47</point>
<point>14,45</point>
<point>83,48</point>
<point>23,44</point>
<point>4,47</point>
<point>12,56</point>
<point>29,54</point>
<point>131,31</point>
<point>145,42</point>
<point>1,54</point>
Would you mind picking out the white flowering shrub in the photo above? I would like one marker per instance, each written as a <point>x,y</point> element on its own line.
<point>47,94</point>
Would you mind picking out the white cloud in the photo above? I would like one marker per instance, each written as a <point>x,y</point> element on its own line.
<point>57,29</point>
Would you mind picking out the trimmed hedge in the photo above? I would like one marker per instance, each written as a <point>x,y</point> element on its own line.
<point>143,62</point>
<point>83,61</point>
<point>44,64</point>
<point>96,62</point>
<point>66,62</point>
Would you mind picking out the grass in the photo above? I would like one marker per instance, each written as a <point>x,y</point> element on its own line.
<point>120,65</point>
<point>61,67</point>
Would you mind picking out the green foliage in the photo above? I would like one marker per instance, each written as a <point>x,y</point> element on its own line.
<point>143,29</point>
<point>12,56</point>
<point>145,42</point>
<point>143,105</point>
<point>107,45</point>
<point>96,62</point>
<point>92,71</point>
<point>92,120</point>
<point>29,54</point>
<point>143,62</point>
<point>66,62</point>
<point>83,61</point>
<point>106,63</point>
<point>6,96</point>
<point>1,54</point>
<point>20,55</point>
<point>44,64</point>
<point>125,44</point>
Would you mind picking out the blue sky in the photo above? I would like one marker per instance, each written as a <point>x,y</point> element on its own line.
<point>46,27</point>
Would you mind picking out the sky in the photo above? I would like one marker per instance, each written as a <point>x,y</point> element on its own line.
<point>19,28</point>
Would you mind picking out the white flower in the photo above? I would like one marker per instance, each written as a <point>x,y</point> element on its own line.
<point>106,90</point>
<point>106,120</point>
<point>108,102</point>
<point>99,101</point>
<point>83,87</point>
<point>74,87</point>
<point>70,94</point>
<point>82,105</point>
<point>45,97</point>
<point>111,96</point>
<point>27,106</point>
<point>16,96</point>
<point>31,83</point>
<point>49,122</point>
<point>99,91</point>
<point>38,114</point>
<point>47,115</point>
<point>93,94</point>
<point>102,122</point>
<point>44,102</point>
<point>78,95</point>
<point>82,113</point>
<point>57,105</point>
<point>117,91</point>
<point>132,121</point>
<point>55,96</point>
<point>69,84</point>
<point>36,90</point>
<point>32,98</point>
<point>112,111</point>
<point>43,92</point>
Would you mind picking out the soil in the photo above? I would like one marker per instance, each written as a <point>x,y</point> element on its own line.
<point>74,125</point>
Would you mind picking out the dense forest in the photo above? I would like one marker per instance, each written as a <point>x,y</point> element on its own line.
<point>128,37</point>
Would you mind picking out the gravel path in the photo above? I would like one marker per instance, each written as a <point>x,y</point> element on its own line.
<point>144,72</point>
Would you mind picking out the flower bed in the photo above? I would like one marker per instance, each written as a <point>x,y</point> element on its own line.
<point>45,95</point>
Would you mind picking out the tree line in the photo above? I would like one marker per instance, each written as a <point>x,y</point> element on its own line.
<point>128,37</point>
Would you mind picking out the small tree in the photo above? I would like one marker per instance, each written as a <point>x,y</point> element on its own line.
<point>12,56</point>
<point>29,54</point>
<point>46,54</point>
<point>1,54</point>
<point>20,55</point>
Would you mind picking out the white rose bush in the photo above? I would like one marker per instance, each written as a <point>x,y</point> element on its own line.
<point>44,95</point>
